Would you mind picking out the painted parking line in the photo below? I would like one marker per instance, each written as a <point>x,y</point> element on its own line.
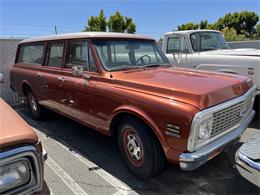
<point>116,183</point>
<point>121,187</point>
<point>72,184</point>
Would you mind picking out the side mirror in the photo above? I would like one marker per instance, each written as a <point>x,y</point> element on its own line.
<point>77,70</point>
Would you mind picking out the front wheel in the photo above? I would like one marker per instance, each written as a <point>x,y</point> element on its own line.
<point>140,150</point>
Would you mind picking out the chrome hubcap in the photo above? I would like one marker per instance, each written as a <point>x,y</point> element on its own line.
<point>34,104</point>
<point>134,147</point>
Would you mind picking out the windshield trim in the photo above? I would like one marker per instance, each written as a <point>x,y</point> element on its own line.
<point>202,50</point>
<point>166,64</point>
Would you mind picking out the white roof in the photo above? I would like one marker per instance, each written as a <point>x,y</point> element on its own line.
<point>87,35</point>
<point>188,32</point>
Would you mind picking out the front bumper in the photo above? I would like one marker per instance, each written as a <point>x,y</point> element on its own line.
<point>248,168</point>
<point>193,160</point>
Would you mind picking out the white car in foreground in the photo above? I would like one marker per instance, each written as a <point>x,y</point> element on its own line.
<point>207,49</point>
<point>248,160</point>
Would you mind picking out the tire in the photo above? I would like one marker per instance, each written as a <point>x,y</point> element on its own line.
<point>139,148</point>
<point>35,108</point>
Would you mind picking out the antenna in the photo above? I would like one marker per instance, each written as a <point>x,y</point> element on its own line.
<point>55,28</point>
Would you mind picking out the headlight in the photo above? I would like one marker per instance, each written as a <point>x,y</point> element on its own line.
<point>205,129</point>
<point>14,174</point>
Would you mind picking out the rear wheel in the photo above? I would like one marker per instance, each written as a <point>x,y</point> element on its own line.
<point>141,151</point>
<point>36,110</point>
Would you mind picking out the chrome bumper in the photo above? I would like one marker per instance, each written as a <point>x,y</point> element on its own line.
<point>193,160</point>
<point>248,168</point>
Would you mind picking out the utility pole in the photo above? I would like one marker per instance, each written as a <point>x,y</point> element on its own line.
<point>55,28</point>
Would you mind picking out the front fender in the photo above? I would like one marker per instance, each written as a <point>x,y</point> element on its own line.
<point>143,116</point>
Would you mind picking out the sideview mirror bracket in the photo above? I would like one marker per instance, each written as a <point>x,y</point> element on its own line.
<point>77,70</point>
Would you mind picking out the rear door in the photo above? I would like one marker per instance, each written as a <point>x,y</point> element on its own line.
<point>53,78</point>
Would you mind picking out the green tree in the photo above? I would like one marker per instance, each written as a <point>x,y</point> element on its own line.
<point>130,25</point>
<point>243,22</point>
<point>212,26</point>
<point>119,23</point>
<point>97,23</point>
<point>203,24</point>
<point>257,27</point>
<point>188,26</point>
<point>231,35</point>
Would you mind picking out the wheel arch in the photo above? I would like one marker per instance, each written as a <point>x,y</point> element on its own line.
<point>137,113</point>
<point>26,87</point>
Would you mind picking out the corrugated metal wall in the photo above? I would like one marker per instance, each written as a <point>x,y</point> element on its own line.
<point>7,55</point>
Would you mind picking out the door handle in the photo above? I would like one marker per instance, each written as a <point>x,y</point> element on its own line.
<point>61,79</point>
<point>86,76</point>
<point>39,74</point>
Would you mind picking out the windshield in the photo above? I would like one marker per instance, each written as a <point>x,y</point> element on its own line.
<point>128,54</point>
<point>205,41</point>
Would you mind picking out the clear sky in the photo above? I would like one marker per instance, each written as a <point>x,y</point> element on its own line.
<point>26,18</point>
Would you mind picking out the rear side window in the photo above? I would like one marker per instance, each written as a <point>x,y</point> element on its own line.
<point>31,54</point>
<point>54,54</point>
<point>79,54</point>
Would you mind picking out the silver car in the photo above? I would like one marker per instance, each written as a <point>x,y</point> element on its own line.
<point>248,159</point>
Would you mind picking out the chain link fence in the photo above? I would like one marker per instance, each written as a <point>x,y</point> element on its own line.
<point>7,56</point>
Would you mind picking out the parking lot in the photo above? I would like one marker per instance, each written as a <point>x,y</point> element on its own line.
<point>82,161</point>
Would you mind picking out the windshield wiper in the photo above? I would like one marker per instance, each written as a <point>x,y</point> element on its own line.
<point>127,67</point>
<point>156,65</point>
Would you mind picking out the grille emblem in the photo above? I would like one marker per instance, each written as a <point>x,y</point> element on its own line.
<point>243,112</point>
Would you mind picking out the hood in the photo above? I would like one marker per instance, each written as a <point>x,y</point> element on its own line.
<point>201,89</point>
<point>13,129</point>
<point>237,52</point>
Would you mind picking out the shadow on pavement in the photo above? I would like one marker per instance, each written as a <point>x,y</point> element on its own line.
<point>217,176</point>
<point>256,122</point>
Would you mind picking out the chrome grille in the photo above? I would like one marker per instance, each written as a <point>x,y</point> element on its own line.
<point>230,117</point>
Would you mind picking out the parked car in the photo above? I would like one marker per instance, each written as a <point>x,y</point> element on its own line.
<point>123,85</point>
<point>207,49</point>
<point>21,156</point>
<point>248,160</point>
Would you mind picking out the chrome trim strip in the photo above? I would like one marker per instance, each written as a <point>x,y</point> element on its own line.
<point>31,153</point>
<point>248,161</point>
<point>246,170</point>
<point>192,146</point>
<point>191,161</point>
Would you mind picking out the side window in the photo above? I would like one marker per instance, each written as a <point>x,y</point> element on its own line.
<point>79,54</point>
<point>31,54</point>
<point>54,54</point>
<point>173,44</point>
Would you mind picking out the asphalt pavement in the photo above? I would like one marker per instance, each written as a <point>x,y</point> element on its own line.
<point>82,161</point>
